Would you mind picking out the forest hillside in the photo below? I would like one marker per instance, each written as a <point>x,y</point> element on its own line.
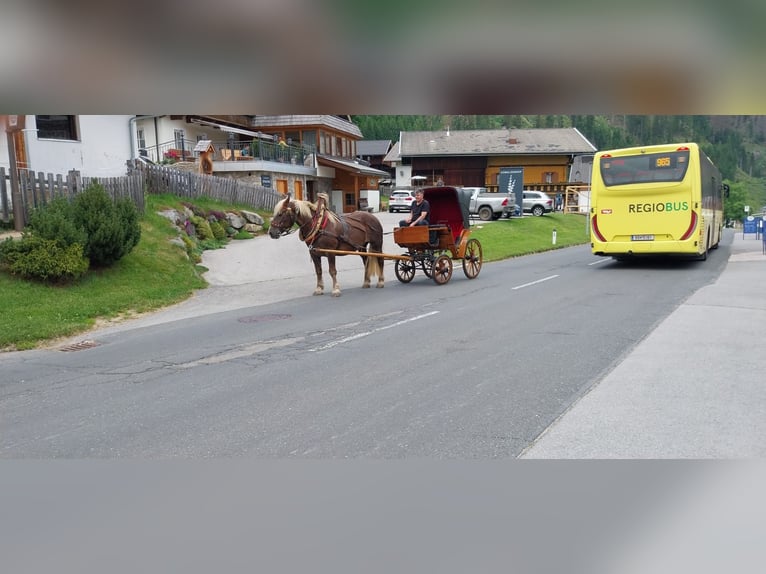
<point>736,144</point>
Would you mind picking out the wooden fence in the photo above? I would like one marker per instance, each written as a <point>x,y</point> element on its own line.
<point>161,179</point>
<point>37,190</point>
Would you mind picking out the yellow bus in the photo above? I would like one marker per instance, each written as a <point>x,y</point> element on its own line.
<point>655,200</point>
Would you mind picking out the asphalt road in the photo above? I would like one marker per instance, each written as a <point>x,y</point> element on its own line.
<point>472,369</point>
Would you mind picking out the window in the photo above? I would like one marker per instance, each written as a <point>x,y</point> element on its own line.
<point>57,127</point>
<point>309,139</point>
<point>178,138</point>
<point>141,138</point>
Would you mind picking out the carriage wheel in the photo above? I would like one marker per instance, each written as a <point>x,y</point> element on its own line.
<point>442,269</point>
<point>427,264</point>
<point>472,258</point>
<point>404,270</point>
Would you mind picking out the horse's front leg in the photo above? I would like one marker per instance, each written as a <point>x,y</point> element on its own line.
<point>334,275</point>
<point>318,270</point>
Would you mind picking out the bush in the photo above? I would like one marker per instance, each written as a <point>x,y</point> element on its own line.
<point>56,221</point>
<point>112,227</point>
<point>34,257</point>
<point>218,231</point>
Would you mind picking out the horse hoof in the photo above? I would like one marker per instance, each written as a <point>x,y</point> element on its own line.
<point>380,285</point>
<point>336,293</point>
<point>366,286</point>
<point>318,293</point>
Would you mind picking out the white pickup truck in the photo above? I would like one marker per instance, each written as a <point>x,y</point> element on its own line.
<point>487,205</point>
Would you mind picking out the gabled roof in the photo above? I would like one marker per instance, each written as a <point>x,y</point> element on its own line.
<point>393,155</point>
<point>373,147</point>
<point>543,141</point>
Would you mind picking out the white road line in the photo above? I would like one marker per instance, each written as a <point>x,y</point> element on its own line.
<point>337,342</point>
<point>534,282</point>
<point>602,260</point>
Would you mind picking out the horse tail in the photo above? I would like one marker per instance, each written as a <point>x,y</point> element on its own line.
<point>372,266</point>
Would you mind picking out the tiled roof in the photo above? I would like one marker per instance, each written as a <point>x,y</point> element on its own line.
<point>542,141</point>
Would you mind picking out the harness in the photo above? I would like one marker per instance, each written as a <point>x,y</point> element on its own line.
<point>315,228</point>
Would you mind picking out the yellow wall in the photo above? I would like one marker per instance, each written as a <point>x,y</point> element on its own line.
<point>534,168</point>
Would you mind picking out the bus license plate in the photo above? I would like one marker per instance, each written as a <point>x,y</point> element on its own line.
<point>642,237</point>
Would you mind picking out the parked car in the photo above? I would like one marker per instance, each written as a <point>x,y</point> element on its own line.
<point>400,200</point>
<point>534,202</point>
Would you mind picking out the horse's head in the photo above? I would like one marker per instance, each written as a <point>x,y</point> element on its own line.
<point>285,215</point>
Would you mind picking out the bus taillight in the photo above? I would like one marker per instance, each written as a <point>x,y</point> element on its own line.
<point>596,231</point>
<point>692,227</point>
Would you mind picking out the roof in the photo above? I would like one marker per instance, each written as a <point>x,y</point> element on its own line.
<point>543,141</point>
<point>393,155</point>
<point>292,121</point>
<point>373,147</point>
<point>351,166</point>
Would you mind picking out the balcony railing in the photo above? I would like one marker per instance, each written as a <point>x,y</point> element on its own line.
<point>228,150</point>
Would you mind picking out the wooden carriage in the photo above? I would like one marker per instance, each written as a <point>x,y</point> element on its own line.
<point>433,248</point>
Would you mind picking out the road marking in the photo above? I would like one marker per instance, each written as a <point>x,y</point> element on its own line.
<point>239,352</point>
<point>534,282</point>
<point>337,342</point>
<point>599,261</point>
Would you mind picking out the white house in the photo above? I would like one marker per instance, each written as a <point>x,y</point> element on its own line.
<point>95,145</point>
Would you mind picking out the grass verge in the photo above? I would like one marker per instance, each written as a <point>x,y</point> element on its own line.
<point>154,275</point>
<point>506,238</point>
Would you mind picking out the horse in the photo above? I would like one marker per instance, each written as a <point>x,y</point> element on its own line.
<point>321,228</point>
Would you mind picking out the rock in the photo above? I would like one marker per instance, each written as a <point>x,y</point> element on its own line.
<point>235,220</point>
<point>252,217</point>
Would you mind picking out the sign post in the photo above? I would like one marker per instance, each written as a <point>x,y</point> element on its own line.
<point>511,181</point>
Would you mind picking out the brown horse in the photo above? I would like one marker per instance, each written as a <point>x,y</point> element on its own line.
<point>321,228</point>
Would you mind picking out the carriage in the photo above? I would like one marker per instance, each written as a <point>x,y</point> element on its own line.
<point>430,248</point>
<point>433,248</point>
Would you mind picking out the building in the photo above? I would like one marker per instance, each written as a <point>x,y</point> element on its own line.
<point>475,157</point>
<point>298,154</point>
<point>94,145</point>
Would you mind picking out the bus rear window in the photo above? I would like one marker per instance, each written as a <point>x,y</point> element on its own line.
<point>644,168</point>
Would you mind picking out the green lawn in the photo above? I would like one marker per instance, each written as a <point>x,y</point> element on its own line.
<point>158,273</point>
<point>506,238</point>
<point>155,274</point>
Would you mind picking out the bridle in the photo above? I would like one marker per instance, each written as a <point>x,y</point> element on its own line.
<point>315,224</point>
<point>286,210</point>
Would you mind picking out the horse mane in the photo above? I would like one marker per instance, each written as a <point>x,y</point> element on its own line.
<point>306,209</point>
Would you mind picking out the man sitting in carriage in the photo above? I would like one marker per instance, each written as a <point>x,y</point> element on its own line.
<point>419,212</point>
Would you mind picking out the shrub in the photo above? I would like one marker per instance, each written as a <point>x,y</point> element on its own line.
<point>112,227</point>
<point>43,259</point>
<point>56,221</point>
<point>218,231</point>
<point>203,227</point>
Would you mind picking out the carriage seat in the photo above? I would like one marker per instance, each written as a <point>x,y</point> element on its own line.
<point>437,231</point>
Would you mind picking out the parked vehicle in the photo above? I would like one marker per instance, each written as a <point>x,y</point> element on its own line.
<point>400,200</point>
<point>486,205</point>
<point>534,202</point>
